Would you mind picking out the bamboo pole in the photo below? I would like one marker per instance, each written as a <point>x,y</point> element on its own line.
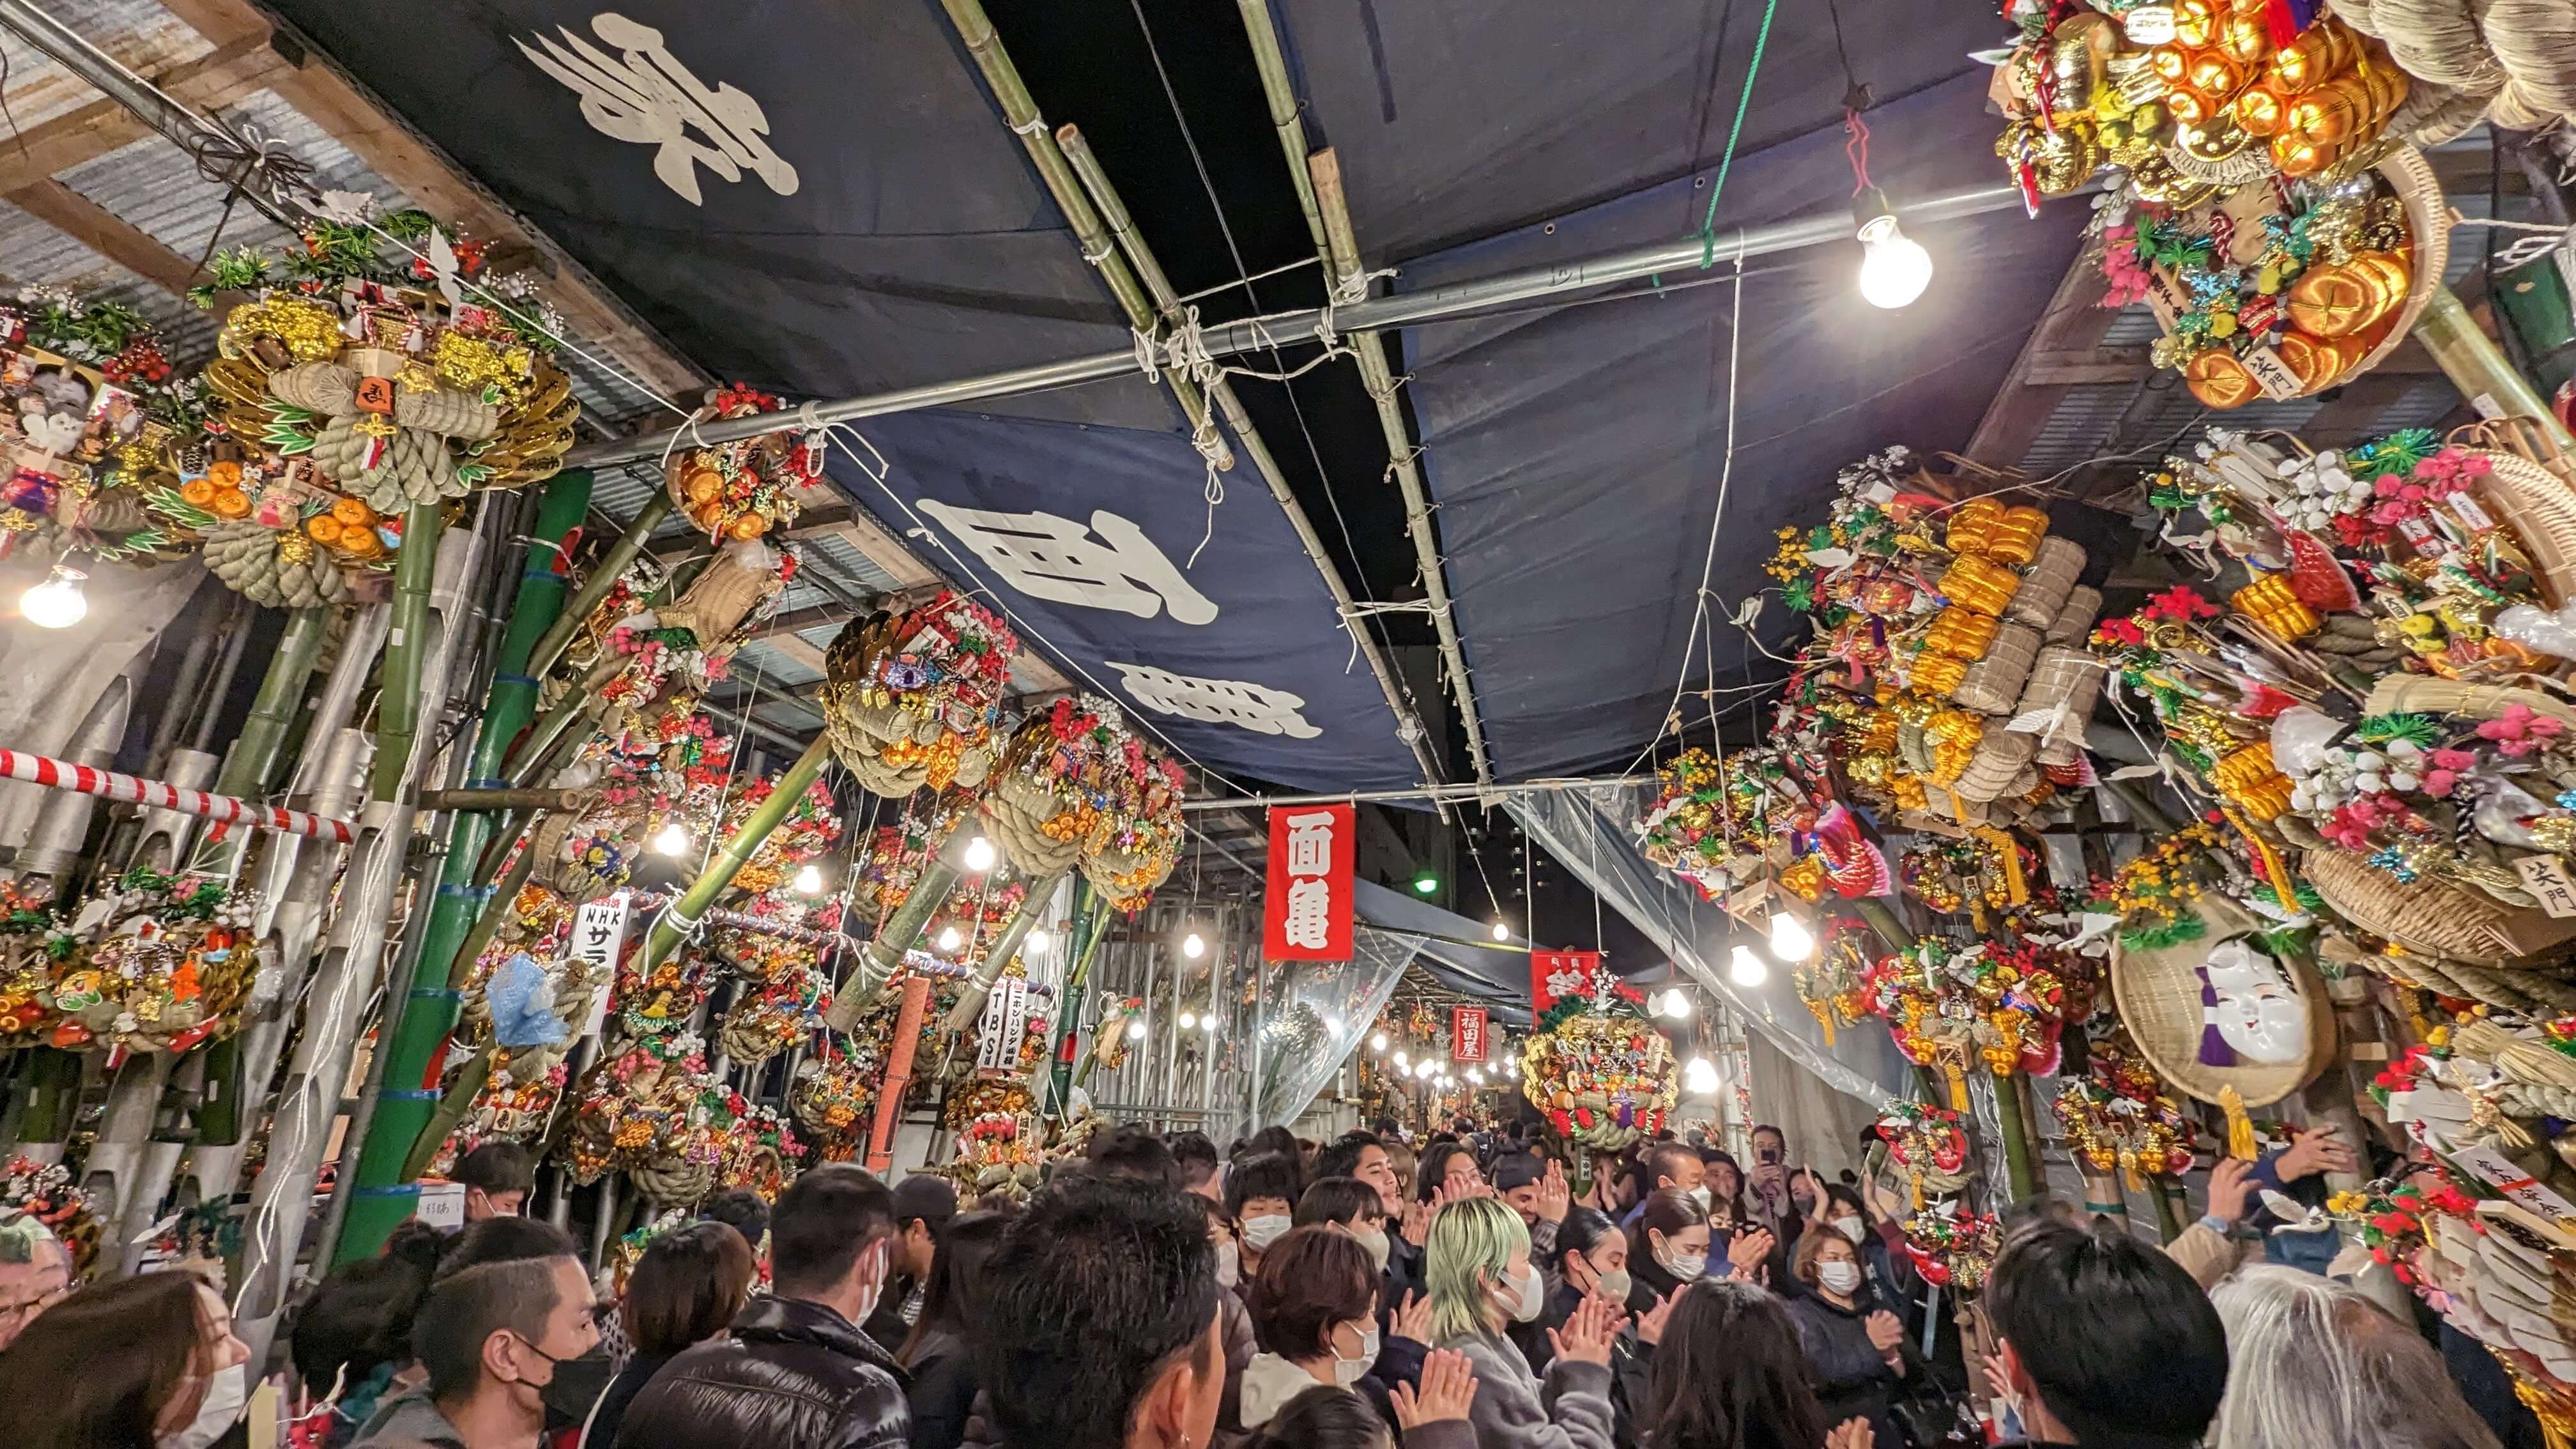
<point>997,959</point>
<point>2019,1165</point>
<point>1087,911</point>
<point>603,576</point>
<point>417,1040</point>
<point>250,765</point>
<point>679,920</point>
<point>874,964</point>
<point>2479,369</point>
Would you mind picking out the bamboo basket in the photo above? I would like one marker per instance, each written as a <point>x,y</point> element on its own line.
<point>1994,682</point>
<point>2434,917</point>
<point>2067,679</point>
<point>2526,489</point>
<point>2000,759</point>
<point>2428,225</point>
<point>2047,583</point>
<point>2424,694</point>
<point>2075,620</point>
<point>2158,993</point>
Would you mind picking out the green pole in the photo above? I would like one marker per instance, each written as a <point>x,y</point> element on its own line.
<point>883,953</point>
<point>560,629</point>
<point>2478,368</point>
<point>996,960</point>
<point>1086,912</point>
<point>737,852</point>
<point>2168,1222</point>
<point>2018,1163</point>
<point>385,1193</point>
<point>250,765</point>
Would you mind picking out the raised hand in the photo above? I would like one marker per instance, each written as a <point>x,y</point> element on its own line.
<point>1413,1319</point>
<point>2231,1183</point>
<point>1555,1199</point>
<point>1650,1327</point>
<point>1747,1250</point>
<point>1417,1222</point>
<point>2316,1150</point>
<point>1587,1335</point>
<point>1448,1391</point>
<point>1849,1434</point>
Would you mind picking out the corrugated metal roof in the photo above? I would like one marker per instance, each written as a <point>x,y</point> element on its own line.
<point>140,33</point>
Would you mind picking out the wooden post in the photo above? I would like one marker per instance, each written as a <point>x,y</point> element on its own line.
<point>907,1039</point>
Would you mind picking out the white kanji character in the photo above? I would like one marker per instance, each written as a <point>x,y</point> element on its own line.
<point>1046,557</point>
<point>1256,707</point>
<point>1310,843</point>
<point>1564,981</point>
<point>650,98</point>
<point>1309,926</point>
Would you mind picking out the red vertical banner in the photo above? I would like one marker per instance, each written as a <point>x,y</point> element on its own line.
<point>1560,973</point>
<point>1467,1033</point>
<point>1306,914</point>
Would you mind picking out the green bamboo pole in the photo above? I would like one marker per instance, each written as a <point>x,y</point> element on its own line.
<point>250,765</point>
<point>1087,911</point>
<point>2478,368</point>
<point>883,953</point>
<point>384,1194</point>
<point>2019,1165</point>
<point>1884,922</point>
<point>50,1082</point>
<point>559,631</point>
<point>681,917</point>
<point>2168,1222</point>
<point>553,727</point>
<point>997,959</point>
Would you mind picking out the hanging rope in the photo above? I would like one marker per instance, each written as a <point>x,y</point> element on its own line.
<point>1726,159</point>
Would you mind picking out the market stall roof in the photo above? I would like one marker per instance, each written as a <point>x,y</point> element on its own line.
<point>1498,977</point>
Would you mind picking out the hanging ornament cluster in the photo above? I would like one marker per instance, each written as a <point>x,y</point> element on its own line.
<point>743,489</point>
<point>1993,1005</point>
<point>45,1192</point>
<point>147,962</point>
<point>94,420</point>
<point>1757,814</point>
<point>650,1109</point>
<point>914,699</point>
<point>2117,1116</point>
<point>1598,1068</point>
<point>1928,1145</point>
<point>1077,787</point>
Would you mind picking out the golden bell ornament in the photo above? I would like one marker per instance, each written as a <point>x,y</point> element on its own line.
<point>2219,380</point>
<point>2258,109</point>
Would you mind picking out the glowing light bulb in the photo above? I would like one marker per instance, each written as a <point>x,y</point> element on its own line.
<point>58,602</point>
<point>980,854</point>
<point>1036,941</point>
<point>1677,1004</point>
<point>1894,268</point>
<point>1189,1019</point>
<point>670,840</point>
<point>1403,1063</point>
<point>1501,931</point>
<point>949,940</point>
<point>1208,1021</point>
<point>1746,969</point>
<point>1791,941</point>
<point>1377,1043</point>
<point>1475,1074</point>
<point>1136,1031</point>
<point>810,881</point>
<point>1192,946</point>
<point>1700,1076</point>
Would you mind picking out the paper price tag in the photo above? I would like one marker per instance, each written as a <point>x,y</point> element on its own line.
<point>441,1205</point>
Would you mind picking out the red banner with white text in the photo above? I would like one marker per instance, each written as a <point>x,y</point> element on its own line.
<point>1560,973</point>
<point>1467,1033</point>
<point>1306,914</point>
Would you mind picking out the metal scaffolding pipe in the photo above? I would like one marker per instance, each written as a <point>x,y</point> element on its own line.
<point>1447,303</point>
<point>1433,793</point>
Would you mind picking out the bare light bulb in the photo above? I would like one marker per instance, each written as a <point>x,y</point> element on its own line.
<point>1791,941</point>
<point>671,840</point>
<point>58,602</point>
<point>1136,1031</point>
<point>1677,1004</point>
<point>1475,1074</point>
<point>1894,268</point>
<point>980,855</point>
<point>949,940</point>
<point>1501,931</point>
<point>1208,1021</point>
<point>1036,941</point>
<point>1700,1076</point>
<point>1746,969</point>
<point>1189,1019</point>
<point>1377,1043</point>
<point>1192,946</point>
<point>810,881</point>
<point>1403,1062</point>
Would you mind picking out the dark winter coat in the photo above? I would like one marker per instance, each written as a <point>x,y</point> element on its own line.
<point>1853,1379</point>
<point>788,1374</point>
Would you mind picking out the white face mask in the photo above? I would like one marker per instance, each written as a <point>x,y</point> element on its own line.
<point>1850,1226</point>
<point>226,1394</point>
<point>1374,1239</point>
<point>1259,1233</point>
<point>1348,1371</point>
<point>1700,1195</point>
<point>2256,1010</point>
<point>1229,1264</point>
<point>1529,1295</point>
<point>876,1290</point>
<point>1839,1277</point>
<point>1685,1266</point>
<point>1616,1284</point>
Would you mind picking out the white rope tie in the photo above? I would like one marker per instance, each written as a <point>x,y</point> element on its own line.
<point>1102,255</point>
<point>1036,126</point>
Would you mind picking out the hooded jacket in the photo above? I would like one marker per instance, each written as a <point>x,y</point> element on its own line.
<point>1516,1409</point>
<point>788,1374</point>
<point>408,1420</point>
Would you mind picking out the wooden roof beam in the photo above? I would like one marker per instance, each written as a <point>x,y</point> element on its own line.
<point>106,233</point>
<point>207,82</point>
<point>2073,322</point>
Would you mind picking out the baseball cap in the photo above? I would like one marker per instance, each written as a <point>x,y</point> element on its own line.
<point>923,1195</point>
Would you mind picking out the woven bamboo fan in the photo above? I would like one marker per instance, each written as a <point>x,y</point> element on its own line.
<point>2424,694</point>
<point>1994,682</point>
<point>2158,993</point>
<point>2075,620</point>
<point>2047,583</point>
<point>2434,917</point>
<point>1998,762</point>
<point>2532,499</point>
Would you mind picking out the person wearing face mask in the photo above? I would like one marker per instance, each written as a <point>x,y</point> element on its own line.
<point>573,1389</point>
<point>1261,1201</point>
<point>1315,1311</point>
<point>1482,1280</point>
<point>1855,1348</point>
<point>1359,1209</point>
<point>1591,1260</point>
<point>497,1177</point>
<point>1885,1266</point>
<point>794,1371</point>
<point>148,1362</point>
<point>492,1338</point>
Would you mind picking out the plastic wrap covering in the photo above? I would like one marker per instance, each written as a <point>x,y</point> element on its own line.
<point>1314,1019</point>
<point>1590,830</point>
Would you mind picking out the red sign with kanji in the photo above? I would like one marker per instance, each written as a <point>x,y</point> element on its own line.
<point>1306,915</point>
<point>1560,973</point>
<point>1466,1033</point>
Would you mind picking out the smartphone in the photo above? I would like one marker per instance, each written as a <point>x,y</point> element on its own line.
<point>1767,1156</point>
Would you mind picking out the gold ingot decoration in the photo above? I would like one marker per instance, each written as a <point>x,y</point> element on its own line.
<point>2246,37</point>
<point>2219,380</point>
<point>2270,602</point>
<point>2330,115</point>
<point>2258,109</point>
<point>1979,585</point>
<point>1961,634</point>
<point>2248,777</point>
<point>2215,75</point>
<point>2337,301</point>
<point>2321,50</point>
<point>2196,23</point>
<point>2295,155</point>
<point>1988,529</point>
<point>2189,107</point>
<point>1936,673</point>
<point>2313,360</point>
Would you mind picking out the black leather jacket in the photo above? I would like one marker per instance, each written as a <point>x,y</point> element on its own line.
<point>788,1375</point>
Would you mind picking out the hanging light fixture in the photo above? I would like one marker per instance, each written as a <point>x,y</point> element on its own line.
<point>56,603</point>
<point>1208,1021</point>
<point>1791,941</point>
<point>1403,1062</point>
<point>980,855</point>
<point>1476,1074</point>
<point>1677,1004</point>
<point>1700,1076</point>
<point>1136,1030</point>
<point>1189,1019</point>
<point>671,840</point>
<point>1501,931</point>
<point>1377,1043</point>
<point>1193,946</point>
<point>1036,941</point>
<point>809,881</point>
<point>1746,969</point>
<point>949,940</point>
<point>1894,268</point>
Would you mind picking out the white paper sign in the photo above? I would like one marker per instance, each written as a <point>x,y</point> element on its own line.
<point>441,1205</point>
<point>2545,876</point>
<point>598,934</point>
<point>1006,1019</point>
<point>2499,1172</point>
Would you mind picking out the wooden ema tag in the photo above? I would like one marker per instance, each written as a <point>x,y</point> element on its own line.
<point>2270,373</point>
<point>376,395</point>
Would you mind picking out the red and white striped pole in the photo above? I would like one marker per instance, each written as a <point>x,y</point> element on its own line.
<point>225,809</point>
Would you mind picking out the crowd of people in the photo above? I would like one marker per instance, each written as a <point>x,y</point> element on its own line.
<point>1160,1294</point>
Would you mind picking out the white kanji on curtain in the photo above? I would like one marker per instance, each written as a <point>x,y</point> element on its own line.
<point>1109,565</point>
<point>1240,702</point>
<point>646,96</point>
<point>1310,914</point>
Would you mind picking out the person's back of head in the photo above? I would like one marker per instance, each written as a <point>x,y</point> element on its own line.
<point>483,1327</point>
<point>1135,1152</point>
<point>1273,1139</point>
<point>1323,1417</point>
<point>689,1284</point>
<point>960,1283</point>
<point>2108,1337</point>
<point>1730,1374</point>
<point>742,1210</point>
<point>829,1235</point>
<point>504,1240</point>
<point>360,1315</point>
<point>2311,1362</point>
<point>1103,1317</point>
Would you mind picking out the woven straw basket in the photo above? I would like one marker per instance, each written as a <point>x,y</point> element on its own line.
<point>2428,221</point>
<point>2424,694</point>
<point>1998,763</point>
<point>2434,917</point>
<point>2047,584</point>
<point>2158,993</point>
<point>1994,682</point>
<point>2526,489</point>
<point>2073,622</point>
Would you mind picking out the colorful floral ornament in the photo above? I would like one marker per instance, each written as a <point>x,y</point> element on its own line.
<point>745,488</point>
<point>914,700</point>
<point>157,963</point>
<point>1598,1068</point>
<point>2119,1117</point>
<point>1077,787</point>
<point>1952,1247</point>
<point>93,419</point>
<point>1927,1144</point>
<point>45,1191</point>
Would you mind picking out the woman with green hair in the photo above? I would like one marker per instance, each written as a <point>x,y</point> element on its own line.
<point>1477,1266</point>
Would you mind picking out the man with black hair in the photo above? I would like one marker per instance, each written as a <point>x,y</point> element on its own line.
<point>1194,1157</point>
<point>1536,1190</point>
<point>2103,1340</point>
<point>1363,1155</point>
<point>742,1210</point>
<point>497,1178</point>
<point>492,1337</point>
<point>1261,1200</point>
<point>1673,1165</point>
<point>1133,1151</point>
<point>1102,1327</point>
<point>794,1371</point>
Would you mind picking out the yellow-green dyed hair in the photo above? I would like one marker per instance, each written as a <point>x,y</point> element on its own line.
<point>1469,1250</point>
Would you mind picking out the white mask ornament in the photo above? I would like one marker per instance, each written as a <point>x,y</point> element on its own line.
<point>2250,1010</point>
